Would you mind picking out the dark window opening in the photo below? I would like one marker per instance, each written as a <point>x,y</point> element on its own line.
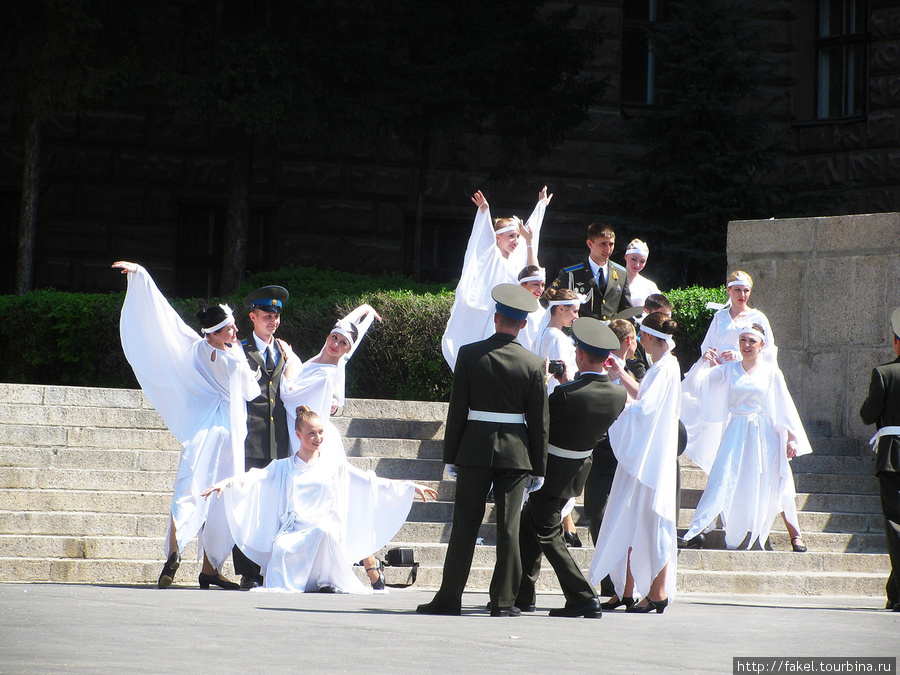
<point>842,54</point>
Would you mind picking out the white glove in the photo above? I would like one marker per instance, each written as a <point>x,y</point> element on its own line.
<point>451,471</point>
<point>534,484</point>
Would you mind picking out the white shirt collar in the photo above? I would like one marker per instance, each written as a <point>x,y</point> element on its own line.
<point>260,345</point>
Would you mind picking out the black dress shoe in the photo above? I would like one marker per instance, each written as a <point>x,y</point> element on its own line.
<point>249,581</point>
<point>506,611</point>
<point>378,584</point>
<point>693,542</point>
<point>207,580</point>
<point>522,607</point>
<point>572,539</point>
<point>797,545</point>
<point>589,609</point>
<point>326,589</point>
<point>658,605</point>
<point>167,576</point>
<point>438,609</point>
<point>896,607</point>
<point>618,602</point>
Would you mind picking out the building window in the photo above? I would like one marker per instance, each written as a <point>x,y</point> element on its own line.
<point>638,63</point>
<point>842,55</point>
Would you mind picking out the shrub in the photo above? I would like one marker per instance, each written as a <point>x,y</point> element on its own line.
<point>689,310</point>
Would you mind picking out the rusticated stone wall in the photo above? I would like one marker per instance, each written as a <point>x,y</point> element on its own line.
<point>828,287</point>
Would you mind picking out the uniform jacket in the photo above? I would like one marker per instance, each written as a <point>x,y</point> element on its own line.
<point>498,375</point>
<point>601,306</point>
<point>882,408</point>
<point>580,414</point>
<point>267,430</point>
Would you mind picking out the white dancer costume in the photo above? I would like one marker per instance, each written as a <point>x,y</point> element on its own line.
<point>472,314</point>
<point>640,288</point>
<point>751,481</point>
<point>640,513</point>
<point>722,335</point>
<point>305,524</point>
<point>557,346</point>
<point>201,393</point>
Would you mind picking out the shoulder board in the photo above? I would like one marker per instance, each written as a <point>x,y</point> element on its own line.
<point>245,342</point>
<point>616,266</point>
<point>573,268</point>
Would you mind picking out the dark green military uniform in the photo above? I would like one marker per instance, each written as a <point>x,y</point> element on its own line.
<point>496,375</point>
<point>604,302</point>
<point>882,408</point>
<point>581,411</point>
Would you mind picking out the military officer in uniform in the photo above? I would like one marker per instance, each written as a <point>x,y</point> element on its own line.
<point>267,428</point>
<point>496,433</point>
<point>605,282</point>
<point>882,408</point>
<point>581,412</point>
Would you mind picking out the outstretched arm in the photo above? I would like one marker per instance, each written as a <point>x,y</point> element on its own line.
<point>125,266</point>
<point>425,492</point>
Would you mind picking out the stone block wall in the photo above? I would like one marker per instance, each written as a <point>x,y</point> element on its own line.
<point>828,286</point>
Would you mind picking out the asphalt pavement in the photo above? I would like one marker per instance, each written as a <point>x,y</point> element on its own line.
<point>58,628</point>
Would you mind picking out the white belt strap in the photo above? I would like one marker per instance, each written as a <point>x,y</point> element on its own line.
<point>883,431</point>
<point>568,454</point>
<point>503,418</point>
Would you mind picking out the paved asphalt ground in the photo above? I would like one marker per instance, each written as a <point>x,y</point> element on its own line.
<point>56,628</point>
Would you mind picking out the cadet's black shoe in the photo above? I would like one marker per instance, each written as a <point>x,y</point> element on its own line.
<point>506,611</point>
<point>206,580</point>
<point>693,542</point>
<point>589,609</point>
<point>438,609</point>
<point>522,608</point>
<point>249,581</point>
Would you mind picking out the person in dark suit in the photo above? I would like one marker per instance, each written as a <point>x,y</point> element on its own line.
<point>882,408</point>
<point>605,282</point>
<point>581,411</point>
<point>496,433</point>
<point>267,427</point>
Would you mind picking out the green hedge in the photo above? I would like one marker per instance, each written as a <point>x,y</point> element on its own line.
<point>50,337</point>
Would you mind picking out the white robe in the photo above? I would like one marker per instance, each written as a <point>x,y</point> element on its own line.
<point>203,402</point>
<point>313,386</point>
<point>723,334</point>
<point>640,288</point>
<point>751,480</point>
<point>528,336</point>
<point>305,524</point>
<point>555,345</point>
<point>472,314</point>
<point>640,513</point>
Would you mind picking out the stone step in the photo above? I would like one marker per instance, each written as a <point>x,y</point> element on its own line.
<point>835,445</point>
<point>814,521</point>
<point>105,501</point>
<point>403,469</point>
<point>695,479</point>
<point>401,448</point>
<point>93,524</point>
<point>398,410</point>
<point>835,542</point>
<point>80,416</point>
<point>825,464</point>
<point>784,583</point>
<point>99,571</point>
<point>65,458</point>
<point>389,428</point>
<point>86,479</point>
<point>88,547</point>
<point>842,503</point>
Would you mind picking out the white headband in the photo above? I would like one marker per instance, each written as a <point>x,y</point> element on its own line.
<point>577,300</point>
<point>662,336</point>
<point>517,223</point>
<point>342,327</point>
<point>540,275</point>
<point>741,280</point>
<point>752,331</point>
<point>641,248</point>
<point>229,318</point>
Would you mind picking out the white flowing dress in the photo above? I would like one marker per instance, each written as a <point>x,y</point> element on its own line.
<point>472,314</point>
<point>557,346</point>
<point>640,288</point>
<point>305,524</point>
<point>201,394</point>
<point>751,481</point>
<point>723,334</point>
<point>640,513</point>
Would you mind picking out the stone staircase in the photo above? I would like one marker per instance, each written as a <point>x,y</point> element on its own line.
<point>86,478</point>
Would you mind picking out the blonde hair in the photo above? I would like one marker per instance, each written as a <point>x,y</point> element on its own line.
<point>740,275</point>
<point>305,414</point>
<point>500,223</point>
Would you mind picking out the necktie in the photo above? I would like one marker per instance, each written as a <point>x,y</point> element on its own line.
<point>270,362</point>
<point>601,280</point>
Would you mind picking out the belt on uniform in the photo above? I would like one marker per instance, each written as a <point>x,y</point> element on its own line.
<point>883,431</point>
<point>503,418</point>
<point>568,454</point>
